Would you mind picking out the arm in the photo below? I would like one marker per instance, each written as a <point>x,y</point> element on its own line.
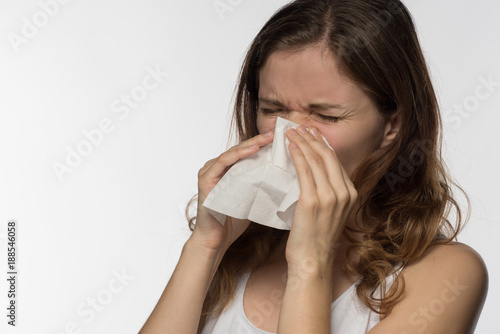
<point>445,292</point>
<point>179,307</point>
<point>307,301</point>
<point>326,199</point>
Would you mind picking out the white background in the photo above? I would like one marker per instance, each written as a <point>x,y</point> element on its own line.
<point>120,211</point>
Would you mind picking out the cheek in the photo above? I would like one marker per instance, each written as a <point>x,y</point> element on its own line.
<point>265,123</point>
<point>332,135</point>
<point>350,147</point>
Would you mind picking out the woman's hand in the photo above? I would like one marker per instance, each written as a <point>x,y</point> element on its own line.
<point>208,230</point>
<point>326,199</point>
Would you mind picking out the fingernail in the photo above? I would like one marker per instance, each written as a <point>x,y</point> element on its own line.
<point>293,132</point>
<point>302,129</point>
<point>314,132</point>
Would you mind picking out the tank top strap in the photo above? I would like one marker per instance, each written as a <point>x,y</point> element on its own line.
<point>391,278</point>
<point>398,268</point>
<point>241,285</point>
<point>244,323</point>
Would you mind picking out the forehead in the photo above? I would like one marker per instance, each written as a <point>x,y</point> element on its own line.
<point>303,77</point>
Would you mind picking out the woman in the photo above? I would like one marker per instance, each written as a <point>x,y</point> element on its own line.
<point>371,249</point>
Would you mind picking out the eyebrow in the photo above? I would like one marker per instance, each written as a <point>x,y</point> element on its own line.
<point>316,106</point>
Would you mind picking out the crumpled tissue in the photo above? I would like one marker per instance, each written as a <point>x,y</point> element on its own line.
<point>263,188</point>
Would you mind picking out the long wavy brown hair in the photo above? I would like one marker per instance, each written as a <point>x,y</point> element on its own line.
<point>405,193</point>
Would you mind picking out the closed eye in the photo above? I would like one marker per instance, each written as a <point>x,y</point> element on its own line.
<point>323,117</point>
<point>329,118</point>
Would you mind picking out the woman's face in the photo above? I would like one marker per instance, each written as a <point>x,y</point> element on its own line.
<point>306,88</point>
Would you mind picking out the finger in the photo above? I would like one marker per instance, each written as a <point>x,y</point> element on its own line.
<point>350,186</point>
<point>237,152</point>
<point>351,195</point>
<point>316,140</point>
<point>307,184</point>
<point>333,186</point>
<point>317,166</point>
<point>316,198</point>
<point>326,167</point>
<point>338,189</point>
<point>206,166</point>
<point>260,140</point>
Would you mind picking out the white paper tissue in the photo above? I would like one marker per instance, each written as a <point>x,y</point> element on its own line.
<point>263,187</point>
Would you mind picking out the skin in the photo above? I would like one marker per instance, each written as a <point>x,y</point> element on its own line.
<point>311,77</point>
<point>292,86</point>
<point>289,84</point>
<point>300,281</point>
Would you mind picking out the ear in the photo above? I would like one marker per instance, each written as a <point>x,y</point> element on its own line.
<point>391,129</point>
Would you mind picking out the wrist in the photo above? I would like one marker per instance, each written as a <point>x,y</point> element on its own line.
<point>313,261</point>
<point>310,269</point>
<point>198,247</point>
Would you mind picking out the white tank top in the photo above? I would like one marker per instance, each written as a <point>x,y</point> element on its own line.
<point>349,315</point>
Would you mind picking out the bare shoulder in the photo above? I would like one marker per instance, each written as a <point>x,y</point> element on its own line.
<point>443,267</point>
<point>444,292</point>
<point>455,259</point>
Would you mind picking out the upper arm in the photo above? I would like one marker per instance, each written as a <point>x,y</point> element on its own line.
<point>444,293</point>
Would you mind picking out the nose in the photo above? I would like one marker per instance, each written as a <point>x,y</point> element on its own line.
<point>299,117</point>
